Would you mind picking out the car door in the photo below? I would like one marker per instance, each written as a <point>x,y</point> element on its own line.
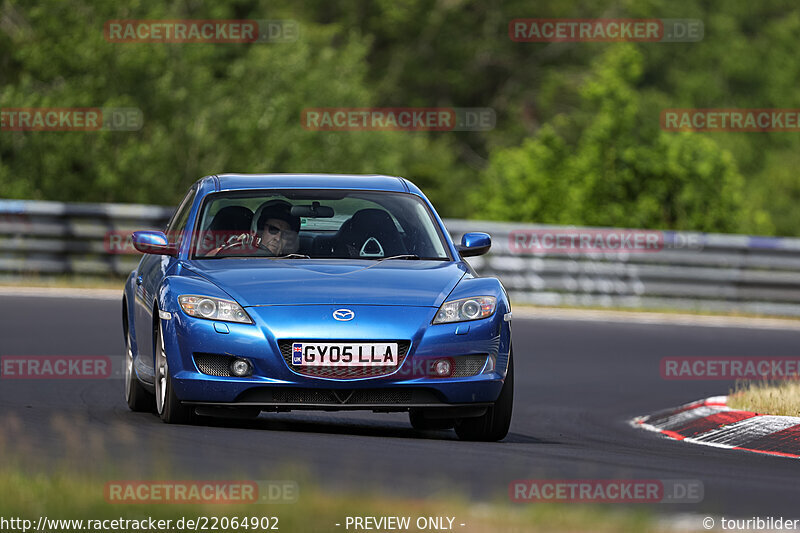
<point>151,272</point>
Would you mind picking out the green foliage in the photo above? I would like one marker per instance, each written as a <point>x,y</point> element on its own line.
<point>621,170</point>
<point>207,108</point>
<point>577,138</point>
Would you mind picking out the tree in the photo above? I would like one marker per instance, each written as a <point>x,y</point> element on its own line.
<point>621,170</point>
<point>207,108</point>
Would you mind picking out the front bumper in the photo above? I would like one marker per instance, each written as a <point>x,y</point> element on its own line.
<point>377,400</point>
<point>274,385</point>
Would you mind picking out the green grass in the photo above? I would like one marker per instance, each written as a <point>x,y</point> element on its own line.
<point>67,494</point>
<point>767,398</point>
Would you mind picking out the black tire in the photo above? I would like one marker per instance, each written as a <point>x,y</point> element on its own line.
<point>419,422</point>
<point>492,426</point>
<point>139,399</point>
<point>168,407</point>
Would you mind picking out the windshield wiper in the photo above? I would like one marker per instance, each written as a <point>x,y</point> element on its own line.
<point>292,256</point>
<point>413,256</point>
<point>227,256</point>
<point>401,256</point>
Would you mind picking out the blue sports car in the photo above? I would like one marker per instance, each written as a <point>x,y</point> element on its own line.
<point>284,292</point>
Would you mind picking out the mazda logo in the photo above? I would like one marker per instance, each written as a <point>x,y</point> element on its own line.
<point>343,315</point>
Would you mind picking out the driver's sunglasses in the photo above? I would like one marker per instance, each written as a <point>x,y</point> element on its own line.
<point>274,230</point>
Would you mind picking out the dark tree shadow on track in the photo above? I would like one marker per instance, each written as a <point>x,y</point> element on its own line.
<point>337,427</point>
<point>361,428</point>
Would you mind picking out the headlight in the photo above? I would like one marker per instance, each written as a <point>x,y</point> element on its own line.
<point>466,309</point>
<point>213,309</point>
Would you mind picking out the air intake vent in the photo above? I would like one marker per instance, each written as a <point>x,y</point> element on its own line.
<point>213,364</point>
<point>468,365</point>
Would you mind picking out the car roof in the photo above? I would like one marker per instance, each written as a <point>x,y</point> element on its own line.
<point>376,182</point>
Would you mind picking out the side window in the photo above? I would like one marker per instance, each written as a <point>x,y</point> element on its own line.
<point>177,225</point>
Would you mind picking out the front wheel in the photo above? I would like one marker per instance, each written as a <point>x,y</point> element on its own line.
<point>138,398</point>
<point>168,406</point>
<point>493,425</point>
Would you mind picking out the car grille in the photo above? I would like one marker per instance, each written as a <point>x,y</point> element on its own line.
<point>343,372</point>
<point>468,365</point>
<point>312,396</point>
<point>213,364</point>
<point>379,398</point>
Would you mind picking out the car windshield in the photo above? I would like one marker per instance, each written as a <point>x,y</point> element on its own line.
<point>319,224</point>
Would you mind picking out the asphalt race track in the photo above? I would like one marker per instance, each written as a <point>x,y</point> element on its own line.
<point>577,384</point>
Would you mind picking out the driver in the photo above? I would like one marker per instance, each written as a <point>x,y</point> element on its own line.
<point>279,229</point>
<point>277,234</point>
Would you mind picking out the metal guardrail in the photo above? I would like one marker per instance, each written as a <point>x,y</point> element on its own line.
<point>714,272</point>
<point>51,238</point>
<point>693,271</point>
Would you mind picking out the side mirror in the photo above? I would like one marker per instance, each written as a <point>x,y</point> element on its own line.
<point>473,244</point>
<point>152,242</point>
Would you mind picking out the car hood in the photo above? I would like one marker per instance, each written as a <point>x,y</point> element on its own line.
<point>260,281</point>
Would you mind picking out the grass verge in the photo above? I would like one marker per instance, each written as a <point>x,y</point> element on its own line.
<point>78,496</point>
<point>769,398</point>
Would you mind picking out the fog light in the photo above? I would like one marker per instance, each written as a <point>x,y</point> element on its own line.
<point>442,368</point>
<point>240,368</point>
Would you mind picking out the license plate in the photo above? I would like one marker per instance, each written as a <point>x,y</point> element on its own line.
<point>344,354</point>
